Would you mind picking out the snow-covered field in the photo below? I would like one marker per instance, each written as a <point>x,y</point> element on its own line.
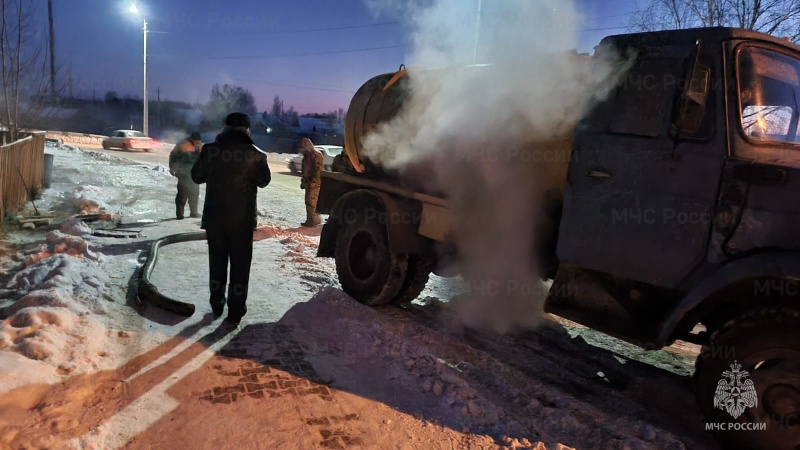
<point>84,365</point>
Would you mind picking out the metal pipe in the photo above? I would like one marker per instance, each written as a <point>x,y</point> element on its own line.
<point>147,292</point>
<point>366,182</point>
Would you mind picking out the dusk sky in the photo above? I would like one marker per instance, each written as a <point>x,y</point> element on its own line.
<point>313,53</point>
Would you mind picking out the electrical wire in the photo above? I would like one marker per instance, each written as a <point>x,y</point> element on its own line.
<point>613,16</point>
<point>310,30</point>
<point>288,84</point>
<point>299,55</point>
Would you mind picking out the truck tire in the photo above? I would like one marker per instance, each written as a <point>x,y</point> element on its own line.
<point>419,270</point>
<point>367,269</point>
<point>766,343</point>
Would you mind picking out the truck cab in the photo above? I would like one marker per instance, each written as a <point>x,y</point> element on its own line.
<point>676,221</point>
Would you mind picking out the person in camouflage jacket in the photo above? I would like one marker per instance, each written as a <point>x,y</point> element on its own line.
<point>313,163</point>
<point>181,160</point>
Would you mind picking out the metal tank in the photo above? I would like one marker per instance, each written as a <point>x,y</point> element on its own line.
<point>545,157</point>
<point>376,101</point>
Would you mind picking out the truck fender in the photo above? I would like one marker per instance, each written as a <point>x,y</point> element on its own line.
<point>399,216</point>
<point>776,265</point>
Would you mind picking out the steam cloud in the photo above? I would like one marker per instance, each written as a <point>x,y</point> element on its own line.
<point>497,136</point>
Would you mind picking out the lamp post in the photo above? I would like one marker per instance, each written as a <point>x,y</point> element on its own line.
<point>145,118</point>
<point>477,32</point>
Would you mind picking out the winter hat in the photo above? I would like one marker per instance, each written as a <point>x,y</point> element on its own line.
<point>195,137</point>
<point>306,144</point>
<point>237,120</point>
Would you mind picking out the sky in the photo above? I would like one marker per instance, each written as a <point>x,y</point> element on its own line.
<point>314,54</point>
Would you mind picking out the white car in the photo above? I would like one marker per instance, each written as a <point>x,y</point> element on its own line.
<point>329,152</point>
<point>129,140</point>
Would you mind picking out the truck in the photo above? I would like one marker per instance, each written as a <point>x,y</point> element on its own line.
<point>671,217</point>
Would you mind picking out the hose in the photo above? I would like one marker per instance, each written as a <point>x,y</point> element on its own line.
<point>147,291</point>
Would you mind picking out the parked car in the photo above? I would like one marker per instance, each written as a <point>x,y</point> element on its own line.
<point>129,140</point>
<point>329,152</point>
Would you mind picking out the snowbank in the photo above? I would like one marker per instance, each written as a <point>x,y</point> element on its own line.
<point>56,321</point>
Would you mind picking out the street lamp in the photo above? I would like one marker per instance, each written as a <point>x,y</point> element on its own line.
<point>134,10</point>
<point>477,32</point>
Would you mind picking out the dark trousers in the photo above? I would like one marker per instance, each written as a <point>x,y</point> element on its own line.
<point>189,191</point>
<point>235,247</point>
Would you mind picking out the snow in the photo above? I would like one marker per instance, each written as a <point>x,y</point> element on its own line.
<point>73,334</point>
<point>75,227</point>
<point>71,289</point>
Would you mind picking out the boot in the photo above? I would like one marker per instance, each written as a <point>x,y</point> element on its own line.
<point>312,219</point>
<point>193,206</point>
<point>179,212</point>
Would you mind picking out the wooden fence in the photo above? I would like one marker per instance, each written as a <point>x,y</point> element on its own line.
<point>24,157</point>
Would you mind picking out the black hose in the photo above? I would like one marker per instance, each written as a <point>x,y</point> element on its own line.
<point>148,292</point>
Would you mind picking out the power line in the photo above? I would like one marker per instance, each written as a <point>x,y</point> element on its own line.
<point>283,83</point>
<point>300,55</point>
<point>309,30</point>
<point>604,29</point>
<point>613,16</point>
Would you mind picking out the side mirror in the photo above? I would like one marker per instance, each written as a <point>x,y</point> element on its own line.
<point>692,106</point>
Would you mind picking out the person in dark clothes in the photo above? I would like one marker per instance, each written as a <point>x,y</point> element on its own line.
<point>233,169</point>
<point>313,163</point>
<point>181,161</point>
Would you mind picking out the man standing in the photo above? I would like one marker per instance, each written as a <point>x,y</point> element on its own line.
<point>181,160</point>
<point>233,169</point>
<point>313,162</point>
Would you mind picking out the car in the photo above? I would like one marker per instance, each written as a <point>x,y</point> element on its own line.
<point>329,152</point>
<point>129,140</point>
<point>295,163</point>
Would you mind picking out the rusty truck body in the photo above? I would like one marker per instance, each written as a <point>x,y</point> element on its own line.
<point>678,211</point>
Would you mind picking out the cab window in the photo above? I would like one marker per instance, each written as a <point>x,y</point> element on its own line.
<point>644,100</point>
<point>769,95</point>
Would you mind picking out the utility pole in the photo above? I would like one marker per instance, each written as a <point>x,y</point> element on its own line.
<point>52,49</point>
<point>160,115</point>
<point>145,118</point>
<point>71,80</point>
<point>477,32</point>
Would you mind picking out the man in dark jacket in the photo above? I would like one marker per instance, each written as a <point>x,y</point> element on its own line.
<point>181,160</point>
<point>233,169</point>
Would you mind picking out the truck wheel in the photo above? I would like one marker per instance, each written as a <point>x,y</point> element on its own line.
<point>419,270</point>
<point>766,344</point>
<point>367,269</point>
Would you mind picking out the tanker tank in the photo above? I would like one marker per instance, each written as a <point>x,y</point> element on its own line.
<point>383,97</point>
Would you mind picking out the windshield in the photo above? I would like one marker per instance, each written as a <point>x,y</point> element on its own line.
<point>769,85</point>
<point>136,134</point>
<point>333,151</point>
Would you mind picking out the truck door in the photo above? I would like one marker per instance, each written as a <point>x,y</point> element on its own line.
<point>762,177</point>
<point>640,194</point>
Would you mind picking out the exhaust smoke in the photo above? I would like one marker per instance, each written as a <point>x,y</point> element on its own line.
<point>496,135</point>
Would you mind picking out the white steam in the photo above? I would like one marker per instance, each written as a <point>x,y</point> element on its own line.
<point>498,135</point>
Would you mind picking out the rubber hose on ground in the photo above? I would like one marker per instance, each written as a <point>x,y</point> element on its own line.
<point>148,292</point>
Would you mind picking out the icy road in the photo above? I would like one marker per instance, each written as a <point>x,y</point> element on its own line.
<point>83,365</point>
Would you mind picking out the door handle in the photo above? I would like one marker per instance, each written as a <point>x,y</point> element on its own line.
<point>598,174</point>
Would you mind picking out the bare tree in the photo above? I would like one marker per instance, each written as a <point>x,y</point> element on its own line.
<point>24,74</point>
<point>777,17</point>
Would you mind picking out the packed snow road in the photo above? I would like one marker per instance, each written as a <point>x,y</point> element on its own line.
<point>83,365</point>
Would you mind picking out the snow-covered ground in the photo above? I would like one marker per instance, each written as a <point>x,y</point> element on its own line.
<point>84,365</point>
